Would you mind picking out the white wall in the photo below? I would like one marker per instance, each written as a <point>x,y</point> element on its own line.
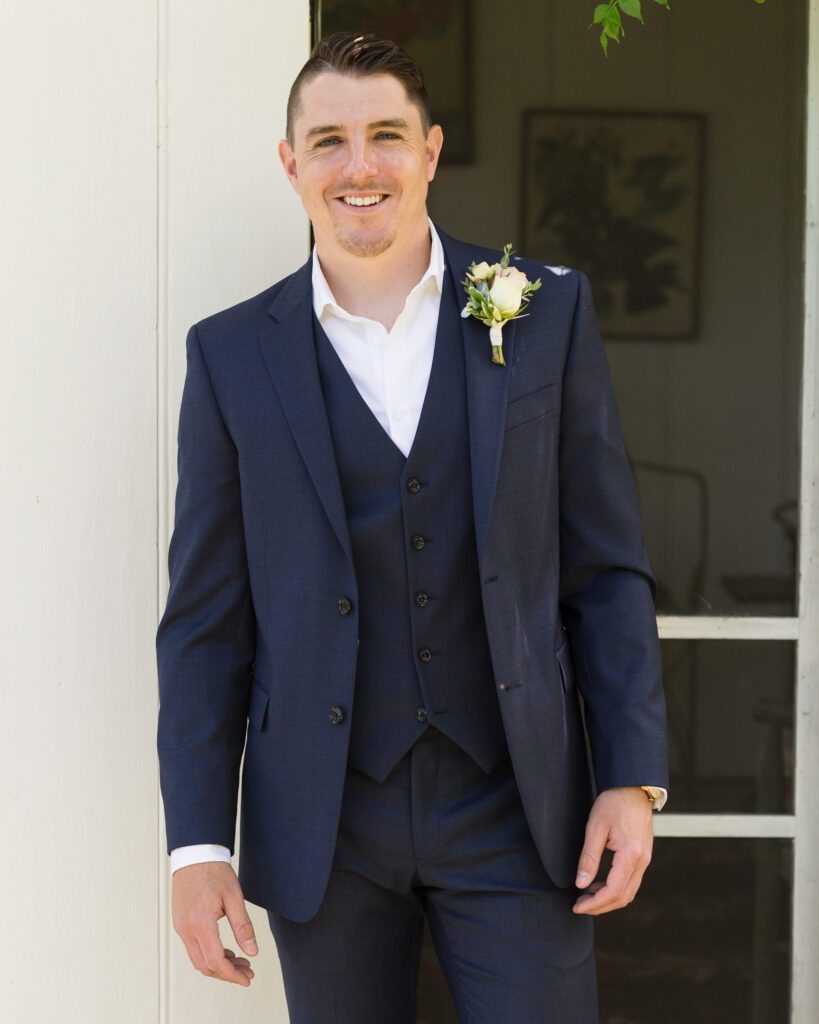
<point>111,246</point>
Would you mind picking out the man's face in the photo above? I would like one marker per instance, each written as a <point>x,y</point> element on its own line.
<point>360,163</point>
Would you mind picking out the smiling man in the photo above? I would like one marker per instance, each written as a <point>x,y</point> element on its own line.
<point>399,562</point>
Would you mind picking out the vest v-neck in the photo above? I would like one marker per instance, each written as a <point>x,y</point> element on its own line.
<point>433,384</point>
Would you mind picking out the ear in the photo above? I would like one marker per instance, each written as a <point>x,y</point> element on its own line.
<point>435,141</point>
<point>288,159</point>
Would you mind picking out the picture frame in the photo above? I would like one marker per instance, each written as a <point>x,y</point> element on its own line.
<point>619,195</point>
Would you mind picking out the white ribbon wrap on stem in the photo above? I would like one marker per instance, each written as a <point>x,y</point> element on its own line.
<point>496,337</point>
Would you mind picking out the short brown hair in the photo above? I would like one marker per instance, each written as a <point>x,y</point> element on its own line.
<point>360,56</point>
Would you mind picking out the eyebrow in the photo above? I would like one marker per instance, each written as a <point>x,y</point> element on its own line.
<point>325,129</point>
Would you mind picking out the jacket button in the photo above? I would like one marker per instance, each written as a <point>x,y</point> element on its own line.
<point>421,599</point>
<point>336,714</point>
<point>345,605</point>
<point>418,542</point>
<point>425,654</point>
<point>413,485</point>
<point>421,714</point>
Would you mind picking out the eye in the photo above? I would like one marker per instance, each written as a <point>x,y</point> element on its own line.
<point>331,140</point>
<point>388,135</point>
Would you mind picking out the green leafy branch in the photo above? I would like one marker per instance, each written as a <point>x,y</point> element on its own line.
<point>610,17</point>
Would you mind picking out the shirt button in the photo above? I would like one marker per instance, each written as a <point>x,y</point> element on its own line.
<point>345,606</point>
<point>395,414</point>
<point>336,714</point>
<point>413,485</point>
<point>425,654</point>
<point>418,542</point>
<point>421,714</point>
<point>421,599</point>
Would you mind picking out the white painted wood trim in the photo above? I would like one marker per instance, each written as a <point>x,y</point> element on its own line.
<point>725,826</point>
<point>695,627</point>
<point>805,986</point>
<point>164,502</point>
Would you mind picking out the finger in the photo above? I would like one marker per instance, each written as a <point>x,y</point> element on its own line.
<point>240,922</point>
<point>240,962</point>
<point>222,967</point>
<point>216,962</point>
<point>620,886</point>
<point>588,863</point>
<point>636,880</point>
<point>194,953</point>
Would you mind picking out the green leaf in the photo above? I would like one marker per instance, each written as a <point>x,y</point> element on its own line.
<point>604,42</point>
<point>613,24</point>
<point>663,3</point>
<point>600,12</point>
<point>632,9</point>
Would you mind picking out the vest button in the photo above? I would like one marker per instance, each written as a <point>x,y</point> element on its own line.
<point>336,714</point>
<point>421,599</point>
<point>413,485</point>
<point>425,654</point>
<point>345,606</point>
<point>421,714</point>
<point>418,542</point>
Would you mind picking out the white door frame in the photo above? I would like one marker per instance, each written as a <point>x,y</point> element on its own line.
<point>803,825</point>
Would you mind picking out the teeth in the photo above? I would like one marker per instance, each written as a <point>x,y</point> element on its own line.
<point>362,200</point>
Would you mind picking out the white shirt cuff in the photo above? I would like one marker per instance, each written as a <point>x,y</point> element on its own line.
<point>182,856</point>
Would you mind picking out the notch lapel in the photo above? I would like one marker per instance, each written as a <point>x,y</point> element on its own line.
<point>487,389</point>
<point>289,353</point>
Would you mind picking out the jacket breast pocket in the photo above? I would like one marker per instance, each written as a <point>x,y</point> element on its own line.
<point>531,407</point>
<point>257,711</point>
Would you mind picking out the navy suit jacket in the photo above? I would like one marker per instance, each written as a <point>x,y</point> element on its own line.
<point>253,653</point>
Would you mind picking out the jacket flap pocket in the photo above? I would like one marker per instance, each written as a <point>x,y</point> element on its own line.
<point>564,660</point>
<point>257,711</point>
<point>532,406</point>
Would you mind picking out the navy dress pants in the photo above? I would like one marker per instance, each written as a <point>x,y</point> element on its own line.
<point>440,837</point>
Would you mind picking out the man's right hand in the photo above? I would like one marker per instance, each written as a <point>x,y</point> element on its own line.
<point>202,893</point>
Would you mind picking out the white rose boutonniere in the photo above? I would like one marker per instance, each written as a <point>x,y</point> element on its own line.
<point>497,293</point>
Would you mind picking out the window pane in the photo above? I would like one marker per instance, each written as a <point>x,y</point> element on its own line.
<point>730,725</point>
<point>706,940</point>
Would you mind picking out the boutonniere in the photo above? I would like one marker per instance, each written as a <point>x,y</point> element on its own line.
<point>497,293</point>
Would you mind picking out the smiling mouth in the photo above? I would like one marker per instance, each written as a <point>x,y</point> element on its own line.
<point>372,200</point>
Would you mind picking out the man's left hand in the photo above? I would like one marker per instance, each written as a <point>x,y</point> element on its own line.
<point>620,820</point>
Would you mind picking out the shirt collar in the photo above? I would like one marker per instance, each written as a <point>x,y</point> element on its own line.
<point>324,300</point>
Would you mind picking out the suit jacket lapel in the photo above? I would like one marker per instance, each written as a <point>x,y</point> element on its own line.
<point>487,389</point>
<point>289,351</point>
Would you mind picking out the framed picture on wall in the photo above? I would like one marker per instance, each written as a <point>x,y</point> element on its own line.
<point>437,34</point>
<point>618,195</point>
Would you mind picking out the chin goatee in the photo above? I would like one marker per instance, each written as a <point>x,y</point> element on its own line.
<point>374,247</point>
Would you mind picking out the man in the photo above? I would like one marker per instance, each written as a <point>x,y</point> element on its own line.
<point>396,559</point>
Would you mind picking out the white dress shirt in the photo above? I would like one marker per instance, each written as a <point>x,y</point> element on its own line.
<point>391,370</point>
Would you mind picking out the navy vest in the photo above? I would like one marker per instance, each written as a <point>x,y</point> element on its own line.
<point>423,655</point>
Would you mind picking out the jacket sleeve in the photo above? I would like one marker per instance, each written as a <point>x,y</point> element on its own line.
<point>606,586</point>
<point>206,638</point>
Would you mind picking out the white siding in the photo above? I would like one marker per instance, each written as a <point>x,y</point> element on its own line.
<point>110,247</point>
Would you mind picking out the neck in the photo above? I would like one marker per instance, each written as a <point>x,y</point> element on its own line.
<point>376,287</point>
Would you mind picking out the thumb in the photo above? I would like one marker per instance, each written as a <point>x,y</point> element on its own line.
<point>240,922</point>
<point>589,862</point>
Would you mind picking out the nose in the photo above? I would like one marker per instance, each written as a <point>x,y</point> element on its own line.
<point>361,163</point>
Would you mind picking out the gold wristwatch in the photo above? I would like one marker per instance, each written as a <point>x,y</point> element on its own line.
<point>656,796</point>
